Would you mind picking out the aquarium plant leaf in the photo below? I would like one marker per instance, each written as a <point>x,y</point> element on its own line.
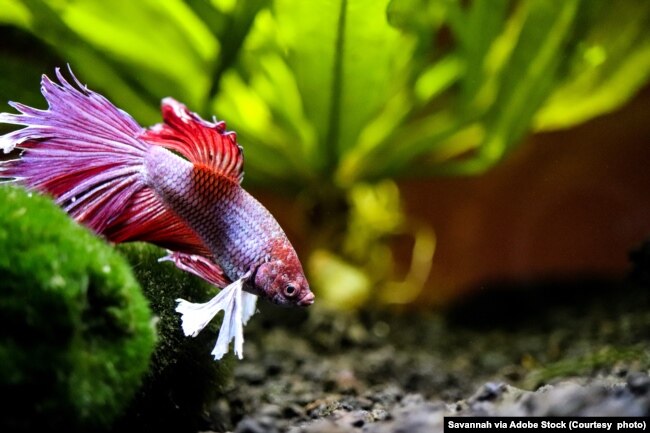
<point>524,75</point>
<point>362,89</point>
<point>530,73</point>
<point>14,12</point>
<point>476,28</point>
<point>309,90</point>
<point>261,100</point>
<point>344,58</point>
<point>423,115</point>
<point>45,22</point>
<point>229,22</point>
<point>129,32</point>
<point>610,64</point>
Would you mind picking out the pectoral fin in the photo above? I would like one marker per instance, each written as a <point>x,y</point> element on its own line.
<point>198,265</point>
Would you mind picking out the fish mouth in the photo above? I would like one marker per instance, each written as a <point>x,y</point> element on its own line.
<point>306,300</point>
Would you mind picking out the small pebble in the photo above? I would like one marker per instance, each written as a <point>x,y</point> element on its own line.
<point>639,383</point>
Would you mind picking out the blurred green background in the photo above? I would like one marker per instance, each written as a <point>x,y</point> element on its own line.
<point>338,102</point>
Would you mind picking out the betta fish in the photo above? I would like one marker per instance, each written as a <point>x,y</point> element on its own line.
<point>176,184</point>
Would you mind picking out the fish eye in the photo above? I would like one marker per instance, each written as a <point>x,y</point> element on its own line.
<point>290,291</point>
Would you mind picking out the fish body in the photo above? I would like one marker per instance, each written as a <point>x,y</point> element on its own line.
<point>236,228</point>
<point>176,184</point>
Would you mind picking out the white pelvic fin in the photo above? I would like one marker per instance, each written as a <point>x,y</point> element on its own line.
<point>250,306</point>
<point>238,307</point>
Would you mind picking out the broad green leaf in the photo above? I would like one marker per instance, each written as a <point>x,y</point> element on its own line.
<point>262,102</point>
<point>313,91</point>
<point>311,45</point>
<point>273,140</point>
<point>14,12</point>
<point>481,24</point>
<point>524,82</point>
<point>167,44</point>
<point>251,117</point>
<point>438,77</point>
<point>374,55</point>
<point>90,66</point>
<point>425,20</point>
<point>230,22</point>
<point>611,63</point>
<point>409,133</point>
<point>530,72</point>
<point>417,16</point>
<point>345,58</point>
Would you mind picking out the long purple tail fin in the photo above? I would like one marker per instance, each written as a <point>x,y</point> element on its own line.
<point>90,155</point>
<point>82,150</point>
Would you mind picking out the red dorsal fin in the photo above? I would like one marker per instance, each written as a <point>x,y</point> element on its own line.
<point>201,142</point>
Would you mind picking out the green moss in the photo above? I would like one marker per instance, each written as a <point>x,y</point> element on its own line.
<point>183,376</point>
<point>76,332</point>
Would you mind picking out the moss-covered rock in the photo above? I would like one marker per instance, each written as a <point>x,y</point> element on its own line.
<point>183,377</point>
<point>76,333</point>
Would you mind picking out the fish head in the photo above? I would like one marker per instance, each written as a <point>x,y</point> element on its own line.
<point>283,282</point>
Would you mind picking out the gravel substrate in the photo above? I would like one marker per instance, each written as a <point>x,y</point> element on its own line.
<point>585,352</point>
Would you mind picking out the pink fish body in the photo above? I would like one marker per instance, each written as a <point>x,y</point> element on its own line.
<point>128,183</point>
